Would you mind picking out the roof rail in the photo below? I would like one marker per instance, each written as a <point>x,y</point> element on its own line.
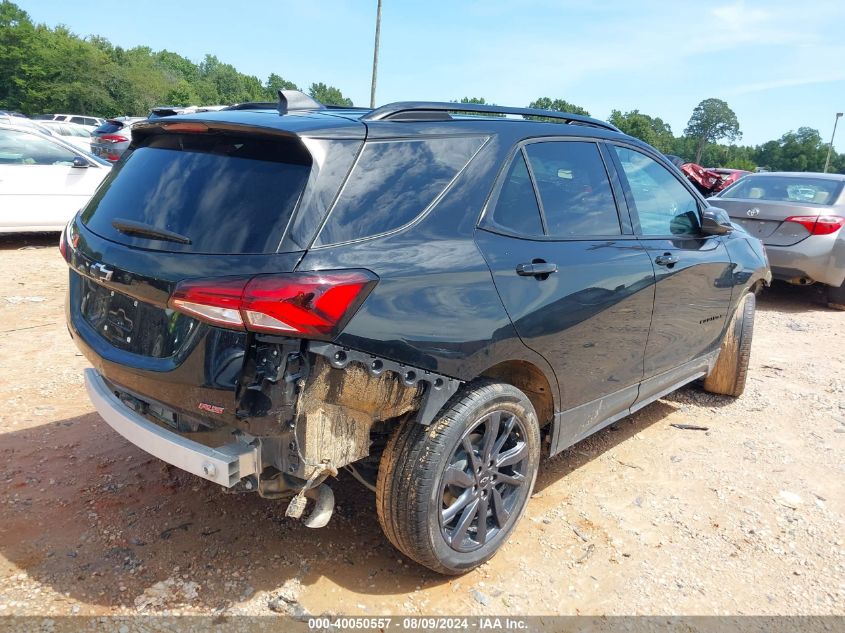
<point>437,110</point>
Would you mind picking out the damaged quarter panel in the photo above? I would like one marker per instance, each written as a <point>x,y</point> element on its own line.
<point>435,306</point>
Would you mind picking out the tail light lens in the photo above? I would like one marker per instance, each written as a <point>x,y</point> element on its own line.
<point>113,138</point>
<point>63,244</point>
<point>314,305</point>
<point>818,225</point>
<point>68,241</point>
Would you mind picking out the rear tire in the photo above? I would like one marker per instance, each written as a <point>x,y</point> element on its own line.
<point>480,456</point>
<point>730,372</point>
<point>836,297</point>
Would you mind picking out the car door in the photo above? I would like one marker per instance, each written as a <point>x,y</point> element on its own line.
<point>693,271</point>
<point>39,186</point>
<point>575,281</point>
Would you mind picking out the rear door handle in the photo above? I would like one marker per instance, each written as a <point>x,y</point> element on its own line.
<point>536,268</point>
<point>666,259</point>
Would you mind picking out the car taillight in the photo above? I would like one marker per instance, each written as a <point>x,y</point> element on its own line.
<point>314,304</point>
<point>113,138</point>
<point>63,244</point>
<point>68,240</point>
<point>818,225</point>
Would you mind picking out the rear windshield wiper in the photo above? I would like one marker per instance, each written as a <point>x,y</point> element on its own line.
<point>145,230</point>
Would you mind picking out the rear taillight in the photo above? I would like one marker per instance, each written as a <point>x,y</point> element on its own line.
<point>63,244</point>
<point>68,241</point>
<point>314,305</point>
<point>113,138</point>
<point>818,225</point>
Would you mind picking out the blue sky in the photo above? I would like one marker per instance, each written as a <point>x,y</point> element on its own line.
<point>779,64</point>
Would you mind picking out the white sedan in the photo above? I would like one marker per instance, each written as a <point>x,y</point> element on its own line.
<point>43,180</point>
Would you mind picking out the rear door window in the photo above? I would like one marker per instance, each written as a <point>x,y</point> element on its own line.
<point>226,194</point>
<point>109,127</point>
<point>392,183</point>
<point>574,189</point>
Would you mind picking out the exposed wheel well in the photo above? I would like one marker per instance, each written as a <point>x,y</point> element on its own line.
<point>531,381</point>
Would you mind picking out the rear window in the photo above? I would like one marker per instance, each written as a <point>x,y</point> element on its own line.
<point>109,127</point>
<point>786,189</point>
<point>393,182</point>
<point>226,194</point>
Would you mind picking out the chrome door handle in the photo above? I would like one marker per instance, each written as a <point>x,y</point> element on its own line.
<point>666,259</point>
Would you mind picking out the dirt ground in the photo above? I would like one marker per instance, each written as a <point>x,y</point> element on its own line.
<point>643,518</point>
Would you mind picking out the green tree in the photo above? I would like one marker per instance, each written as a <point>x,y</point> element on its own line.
<point>472,100</point>
<point>801,150</point>
<point>650,129</point>
<point>52,70</point>
<point>476,101</point>
<point>741,163</point>
<point>182,94</point>
<point>559,105</point>
<point>711,120</point>
<point>176,67</point>
<point>17,41</point>
<point>328,95</point>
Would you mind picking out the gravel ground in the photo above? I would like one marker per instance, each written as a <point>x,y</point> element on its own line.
<point>643,518</point>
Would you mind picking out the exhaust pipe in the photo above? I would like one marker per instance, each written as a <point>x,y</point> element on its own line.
<point>323,499</point>
<point>323,506</point>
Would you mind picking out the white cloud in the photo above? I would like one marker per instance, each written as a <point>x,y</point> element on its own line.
<point>763,86</point>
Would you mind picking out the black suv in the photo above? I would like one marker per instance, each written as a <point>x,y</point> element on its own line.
<point>430,299</point>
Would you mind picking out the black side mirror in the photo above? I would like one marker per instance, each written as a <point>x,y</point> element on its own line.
<point>715,221</point>
<point>80,162</point>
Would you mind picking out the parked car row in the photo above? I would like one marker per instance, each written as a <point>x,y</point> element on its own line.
<point>106,138</point>
<point>86,121</point>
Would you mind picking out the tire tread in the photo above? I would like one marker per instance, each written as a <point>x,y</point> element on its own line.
<point>410,467</point>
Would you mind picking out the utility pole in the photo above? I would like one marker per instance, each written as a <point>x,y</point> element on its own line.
<point>829,148</point>
<point>375,57</point>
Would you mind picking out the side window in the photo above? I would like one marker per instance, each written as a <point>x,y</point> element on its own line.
<point>20,148</point>
<point>664,205</point>
<point>516,207</point>
<point>393,182</point>
<point>574,188</point>
<point>78,119</point>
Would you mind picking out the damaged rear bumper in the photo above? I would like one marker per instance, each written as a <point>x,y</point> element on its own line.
<point>225,465</point>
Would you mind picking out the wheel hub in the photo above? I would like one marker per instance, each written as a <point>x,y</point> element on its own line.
<point>482,481</point>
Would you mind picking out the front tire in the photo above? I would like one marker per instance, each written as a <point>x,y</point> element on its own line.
<point>449,494</point>
<point>730,372</point>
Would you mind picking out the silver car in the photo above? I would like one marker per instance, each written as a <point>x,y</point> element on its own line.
<point>799,218</point>
<point>112,138</point>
